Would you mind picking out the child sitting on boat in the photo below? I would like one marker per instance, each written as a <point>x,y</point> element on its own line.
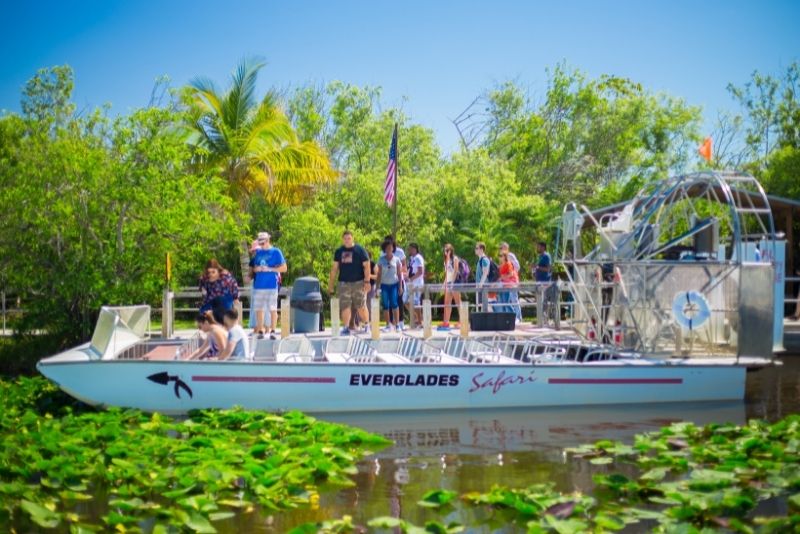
<point>237,346</point>
<point>215,341</point>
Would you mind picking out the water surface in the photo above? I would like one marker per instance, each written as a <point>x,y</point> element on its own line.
<point>471,451</point>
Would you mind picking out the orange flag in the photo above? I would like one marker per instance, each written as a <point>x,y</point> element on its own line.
<point>705,149</point>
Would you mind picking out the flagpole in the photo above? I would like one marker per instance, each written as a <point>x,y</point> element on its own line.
<point>396,179</point>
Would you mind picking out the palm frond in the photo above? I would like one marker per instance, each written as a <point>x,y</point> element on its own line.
<point>240,99</point>
<point>206,95</point>
<point>253,144</point>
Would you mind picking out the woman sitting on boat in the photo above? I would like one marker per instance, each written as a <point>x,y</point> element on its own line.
<point>220,290</point>
<point>216,338</point>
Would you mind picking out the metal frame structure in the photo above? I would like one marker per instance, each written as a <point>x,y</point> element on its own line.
<point>637,245</point>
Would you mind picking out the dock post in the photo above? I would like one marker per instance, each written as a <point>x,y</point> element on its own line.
<point>540,305</point>
<point>375,324</point>
<point>426,318</point>
<point>557,307</point>
<point>463,317</point>
<point>166,314</point>
<point>335,316</point>
<point>286,323</point>
<point>240,311</point>
<point>411,322</point>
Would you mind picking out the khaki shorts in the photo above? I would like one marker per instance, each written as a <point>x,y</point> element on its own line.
<point>351,295</point>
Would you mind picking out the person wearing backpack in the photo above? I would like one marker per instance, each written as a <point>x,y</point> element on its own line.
<point>456,271</point>
<point>486,272</point>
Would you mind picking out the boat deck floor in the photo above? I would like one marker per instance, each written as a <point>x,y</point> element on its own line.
<point>522,329</point>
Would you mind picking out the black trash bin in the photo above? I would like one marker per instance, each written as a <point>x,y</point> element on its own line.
<point>307,304</point>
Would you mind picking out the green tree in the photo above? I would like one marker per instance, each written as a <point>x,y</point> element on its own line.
<point>92,205</point>
<point>782,176</point>
<point>587,134</point>
<point>355,127</point>
<point>251,144</point>
<point>771,107</point>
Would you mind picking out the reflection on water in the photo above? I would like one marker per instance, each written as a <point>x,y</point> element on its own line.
<point>474,450</point>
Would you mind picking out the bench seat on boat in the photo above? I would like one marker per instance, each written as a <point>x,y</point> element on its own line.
<point>439,358</point>
<point>392,358</point>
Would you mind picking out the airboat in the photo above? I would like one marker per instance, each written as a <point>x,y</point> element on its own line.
<point>674,301</point>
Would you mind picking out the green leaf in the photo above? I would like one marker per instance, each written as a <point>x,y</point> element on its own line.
<point>609,522</point>
<point>566,526</point>
<point>199,524</point>
<point>437,498</point>
<point>656,474</point>
<point>219,516</point>
<point>40,515</point>
<point>386,522</point>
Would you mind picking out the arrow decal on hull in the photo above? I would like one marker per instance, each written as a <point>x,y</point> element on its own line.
<point>165,378</point>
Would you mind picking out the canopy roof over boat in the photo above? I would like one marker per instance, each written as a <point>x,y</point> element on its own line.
<point>784,212</point>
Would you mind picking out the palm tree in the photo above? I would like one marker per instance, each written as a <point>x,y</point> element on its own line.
<point>252,144</point>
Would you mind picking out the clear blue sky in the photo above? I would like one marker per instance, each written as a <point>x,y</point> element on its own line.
<point>438,55</point>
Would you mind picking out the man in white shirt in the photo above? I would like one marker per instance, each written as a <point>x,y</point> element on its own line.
<point>416,279</point>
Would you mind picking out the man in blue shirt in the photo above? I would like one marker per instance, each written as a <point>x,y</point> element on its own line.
<point>482,269</point>
<point>265,267</point>
<point>544,267</point>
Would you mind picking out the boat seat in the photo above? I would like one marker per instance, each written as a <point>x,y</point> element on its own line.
<point>392,358</point>
<point>362,358</point>
<point>438,358</point>
<point>348,350</point>
<point>295,350</point>
<point>263,349</point>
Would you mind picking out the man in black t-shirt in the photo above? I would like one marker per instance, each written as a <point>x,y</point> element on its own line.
<point>351,264</point>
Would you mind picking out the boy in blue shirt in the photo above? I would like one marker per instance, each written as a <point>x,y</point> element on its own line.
<point>265,267</point>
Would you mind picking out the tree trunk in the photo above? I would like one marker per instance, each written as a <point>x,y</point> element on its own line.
<point>244,263</point>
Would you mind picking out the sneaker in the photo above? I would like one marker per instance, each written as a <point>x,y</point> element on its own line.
<point>401,327</point>
<point>443,328</point>
<point>345,332</point>
<point>260,335</point>
<point>272,335</point>
<point>364,329</point>
<point>387,328</point>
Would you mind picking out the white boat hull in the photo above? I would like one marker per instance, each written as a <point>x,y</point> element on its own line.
<point>332,387</point>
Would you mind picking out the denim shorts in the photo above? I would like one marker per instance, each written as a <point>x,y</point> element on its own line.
<point>389,296</point>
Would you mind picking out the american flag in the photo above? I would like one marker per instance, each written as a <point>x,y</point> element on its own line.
<point>391,171</point>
